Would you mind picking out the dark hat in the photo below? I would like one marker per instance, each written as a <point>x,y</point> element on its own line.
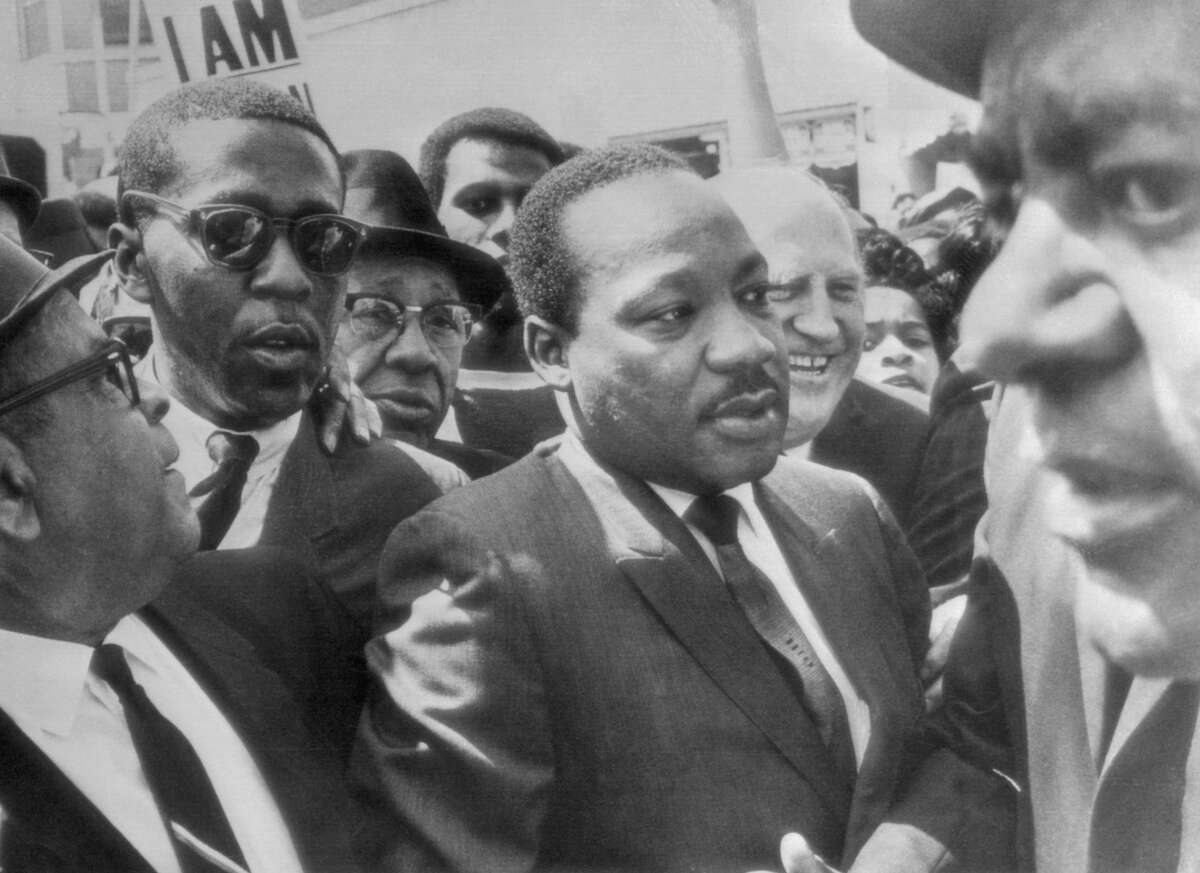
<point>942,40</point>
<point>22,288</point>
<point>61,230</point>
<point>22,196</point>
<point>383,191</point>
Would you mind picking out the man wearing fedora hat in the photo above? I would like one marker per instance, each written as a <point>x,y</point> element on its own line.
<point>19,203</point>
<point>413,295</point>
<point>1076,664</point>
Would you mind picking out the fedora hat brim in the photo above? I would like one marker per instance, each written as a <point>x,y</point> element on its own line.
<point>480,277</point>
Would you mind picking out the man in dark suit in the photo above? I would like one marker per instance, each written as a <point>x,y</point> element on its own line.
<point>244,299</point>
<point>656,646</point>
<point>1076,666</point>
<point>137,731</point>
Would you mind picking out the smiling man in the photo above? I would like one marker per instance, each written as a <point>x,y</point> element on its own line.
<point>643,649</point>
<point>230,231</point>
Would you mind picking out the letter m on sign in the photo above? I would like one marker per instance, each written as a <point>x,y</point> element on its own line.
<point>264,29</point>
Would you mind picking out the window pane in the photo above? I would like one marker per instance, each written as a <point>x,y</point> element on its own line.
<point>118,85</point>
<point>77,23</point>
<point>82,93</point>
<point>35,29</point>
<point>114,21</point>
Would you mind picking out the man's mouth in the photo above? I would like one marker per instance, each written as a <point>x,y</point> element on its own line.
<point>281,346</point>
<point>809,365</point>
<point>404,405</point>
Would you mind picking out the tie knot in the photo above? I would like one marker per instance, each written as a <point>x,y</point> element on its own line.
<point>715,516</point>
<point>109,664</point>
<point>225,446</point>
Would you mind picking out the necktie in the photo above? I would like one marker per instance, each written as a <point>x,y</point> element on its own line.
<point>716,516</point>
<point>177,779</point>
<point>233,454</point>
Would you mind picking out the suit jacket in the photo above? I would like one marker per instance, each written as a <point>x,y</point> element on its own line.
<point>1025,694</point>
<point>338,510</point>
<point>879,437</point>
<point>48,825</point>
<point>583,692</point>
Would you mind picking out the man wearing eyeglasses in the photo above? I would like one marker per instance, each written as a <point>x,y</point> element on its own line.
<point>230,231</point>
<point>137,732</point>
<point>413,297</point>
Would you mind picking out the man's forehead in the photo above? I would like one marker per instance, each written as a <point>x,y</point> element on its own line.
<point>395,276</point>
<point>469,155</point>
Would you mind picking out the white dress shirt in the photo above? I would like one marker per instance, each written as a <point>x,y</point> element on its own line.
<point>76,719</point>
<point>761,548</point>
<point>191,432</point>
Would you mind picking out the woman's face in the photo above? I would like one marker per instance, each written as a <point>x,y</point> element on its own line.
<point>897,349</point>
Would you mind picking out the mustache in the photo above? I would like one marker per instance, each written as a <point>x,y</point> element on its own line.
<point>750,381</point>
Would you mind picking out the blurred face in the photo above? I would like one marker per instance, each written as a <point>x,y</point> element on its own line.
<point>897,348</point>
<point>243,348</point>
<point>486,182</point>
<point>816,287</point>
<point>1091,147</point>
<point>410,375</point>
<point>114,516</point>
<point>678,370</point>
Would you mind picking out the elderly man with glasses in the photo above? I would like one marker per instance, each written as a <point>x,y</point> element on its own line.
<point>412,299</point>
<point>138,731</point>
<point>230,231</point>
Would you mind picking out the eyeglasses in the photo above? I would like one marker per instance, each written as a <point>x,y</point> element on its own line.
<point>444,324</point>
<point>112,360</point>
<point>239,237</point>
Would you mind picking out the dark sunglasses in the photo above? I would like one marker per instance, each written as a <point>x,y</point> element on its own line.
<point>443,324</point>
<point>112,360</point>
<point>239,237</point>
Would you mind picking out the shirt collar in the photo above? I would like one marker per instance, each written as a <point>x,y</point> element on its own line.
<point>42,682</point>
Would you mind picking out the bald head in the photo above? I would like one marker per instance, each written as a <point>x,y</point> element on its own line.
<point>812,259</point>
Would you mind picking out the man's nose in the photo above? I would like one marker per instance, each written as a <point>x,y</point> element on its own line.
<point>153,404</point>
<point>280,274</point>
<point>1046,308</point>
<point>736,341</point>
<point>814,319</point>
<point>410,350</point>
<point>501,228</point>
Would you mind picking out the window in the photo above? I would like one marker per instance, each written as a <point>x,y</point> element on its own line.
<point>114,22</point>
<point>117,77</point>
<point>83,95</point>
<point>34,26</point>
<point>77,23</point>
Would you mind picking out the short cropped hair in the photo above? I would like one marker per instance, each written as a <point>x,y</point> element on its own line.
<point>97,208</point>
<point>888,261</point>
<point>148,161</point>
<point>489,124</point>
<point>543,268</point>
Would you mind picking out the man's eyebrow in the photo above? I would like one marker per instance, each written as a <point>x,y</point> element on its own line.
<point>752,263</point>
<point>243,197</point>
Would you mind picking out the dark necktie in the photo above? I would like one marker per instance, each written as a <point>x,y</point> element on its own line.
<point>716,516</point>
<point>233,454</point>
<point>177,779</point>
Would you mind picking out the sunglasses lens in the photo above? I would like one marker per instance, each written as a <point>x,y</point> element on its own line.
<point>237,238</point>
<point>325,244</point>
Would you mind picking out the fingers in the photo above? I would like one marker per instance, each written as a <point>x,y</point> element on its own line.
<point>332,413</point>
<point>945,622</point>
<point>797,857</point>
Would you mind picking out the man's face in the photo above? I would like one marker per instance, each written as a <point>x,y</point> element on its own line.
<point>243,348</point>
<point>1094,304</point>
<point>111,509</point>
<point>409,377</point>
<point>678,369</point>
<point>486,181</point>
<point>898,349</point>
<point>816,282</point>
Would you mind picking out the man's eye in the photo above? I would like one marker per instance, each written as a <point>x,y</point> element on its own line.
<point>479,206</point>
<point>845,291</point>
<point>1152,197</point>
<point>755,297</point>
<point>782,293</point>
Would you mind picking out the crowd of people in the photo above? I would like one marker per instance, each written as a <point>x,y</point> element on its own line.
<point>549,508</point>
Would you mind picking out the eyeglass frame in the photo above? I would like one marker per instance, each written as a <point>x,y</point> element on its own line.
<point>197,217</point>
<point>113,354</point>
<point>402,317</point>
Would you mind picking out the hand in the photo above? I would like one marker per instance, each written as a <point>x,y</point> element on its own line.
<point>941,633</point>
<point>339,405</point>
<point>797,857</point>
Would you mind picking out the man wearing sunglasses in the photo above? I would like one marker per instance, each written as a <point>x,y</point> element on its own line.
<point>230,231</point>
<point>137,731</point>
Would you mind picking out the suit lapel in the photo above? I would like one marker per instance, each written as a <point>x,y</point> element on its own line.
<point>302,504</point>
<point>655,551</point>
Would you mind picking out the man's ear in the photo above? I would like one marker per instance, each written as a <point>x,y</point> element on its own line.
<point>18,511</point>
<point>546,346</point>
<point>130,261</point>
